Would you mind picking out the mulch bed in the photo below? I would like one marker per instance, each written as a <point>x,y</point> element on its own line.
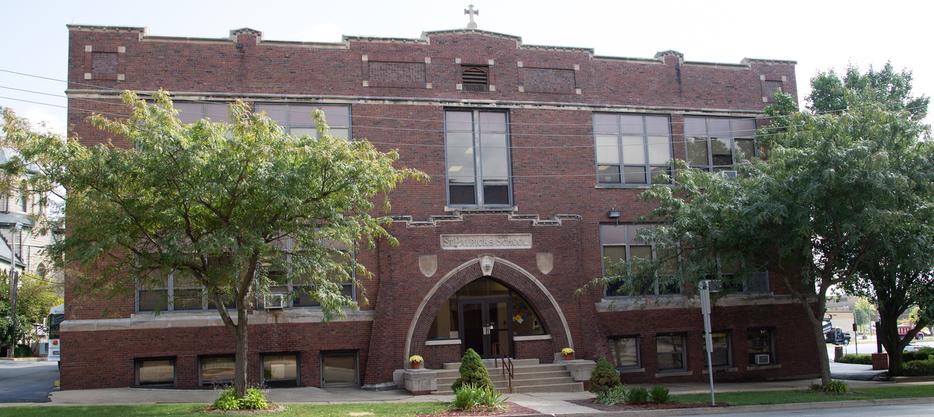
<point>630,407</point>
<point>509,409</point>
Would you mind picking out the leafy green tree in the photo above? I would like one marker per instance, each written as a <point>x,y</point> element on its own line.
<point>224,203</point>
<point>34,297</point>
<point>473,372</point>
<point>813,211</point>
<point>863,313</point>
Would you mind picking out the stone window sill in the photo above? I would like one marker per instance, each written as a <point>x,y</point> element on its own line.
<point>442,342</point>
<point>481,209</point>
<point>721,369</point>
<point>531,338</point>
<point>763,367</point>
<point>630,370</point>
<point>664,374</point>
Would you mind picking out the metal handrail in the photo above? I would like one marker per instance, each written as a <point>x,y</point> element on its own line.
<point>508,370</point>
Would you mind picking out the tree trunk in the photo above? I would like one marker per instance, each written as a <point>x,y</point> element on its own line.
<point>240,366</point>
<point>817,327</point>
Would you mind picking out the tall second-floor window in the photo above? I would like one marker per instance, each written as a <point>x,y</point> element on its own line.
<point>476,146</point>
<point>297,119</point>
<point>622,242</point>
<point>718,143</point>
<point>631,149</point>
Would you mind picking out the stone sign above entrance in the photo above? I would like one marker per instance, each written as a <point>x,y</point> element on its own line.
<point>487,241</point>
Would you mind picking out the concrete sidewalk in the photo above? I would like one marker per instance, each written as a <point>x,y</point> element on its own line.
<point>556,403</point>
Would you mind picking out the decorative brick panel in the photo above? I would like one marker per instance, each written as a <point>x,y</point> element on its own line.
<point>396,74</point>
<point>547,80</point>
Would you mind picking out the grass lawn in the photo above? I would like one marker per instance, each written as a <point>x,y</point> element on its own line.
<point>805,396</point>
<point>191,410</point>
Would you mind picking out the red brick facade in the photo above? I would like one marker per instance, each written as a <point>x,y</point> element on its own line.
<point>398,90</point>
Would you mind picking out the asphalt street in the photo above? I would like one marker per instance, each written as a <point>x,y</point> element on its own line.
<point>22,382</point>
<point>908,410</point>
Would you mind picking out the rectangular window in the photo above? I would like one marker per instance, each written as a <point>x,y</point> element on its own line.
<point>153,293</point>
<point>632,149</point>
<point>189,112</point>
<point>173,291</point>
<point>721,355</point>
<point>339,369</point>
<point>760,344</point>
<point>625,351</point>
<point>718,143</point>
<point>280,369</point>
<point>297,119</point>
<point>446,325</point>
<point>670,352</point>
<point>155,371</point>
<point>216,370</point>
<point>622,242</point>
<point>477,158</point>
<point>769,88</point>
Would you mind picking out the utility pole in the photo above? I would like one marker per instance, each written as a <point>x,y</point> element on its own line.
<point>14,281</point>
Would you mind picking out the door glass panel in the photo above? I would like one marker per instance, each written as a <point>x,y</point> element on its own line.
<point>473,326</point>
<point>498,320</point>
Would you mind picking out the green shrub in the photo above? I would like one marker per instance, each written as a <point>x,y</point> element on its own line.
<point>858,359</point>
<point>637,395</point>
<point>833,387</point>
<point>228,400</point>
<point>919,368</point>
<point>922,354</point>
<point>253,399</point>
<point>659,394</point>
<point>472,372</point>
<point>612,396</point>
<point>604,377</point>
<point>469,397</point>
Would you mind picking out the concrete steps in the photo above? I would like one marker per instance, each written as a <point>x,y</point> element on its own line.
<point>529,376</point>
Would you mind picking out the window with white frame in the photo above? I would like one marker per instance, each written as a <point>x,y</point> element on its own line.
<point>477,158</point>
<point>719,143</point>
<point>632,149</point>
<point>622,242</point>
<point>297,119</point>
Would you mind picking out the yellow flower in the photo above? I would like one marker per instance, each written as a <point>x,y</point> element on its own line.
<point>416,359</point>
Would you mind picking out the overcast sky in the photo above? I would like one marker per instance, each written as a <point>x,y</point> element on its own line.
<point>820,35</point>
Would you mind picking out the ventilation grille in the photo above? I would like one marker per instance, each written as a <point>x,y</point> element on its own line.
<point>475,77</point>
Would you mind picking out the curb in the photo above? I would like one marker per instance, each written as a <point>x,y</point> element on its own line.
<point>752,408</point>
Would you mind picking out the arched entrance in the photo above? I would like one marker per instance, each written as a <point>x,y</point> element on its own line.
<point>497,273</point>
<point>485,315</point>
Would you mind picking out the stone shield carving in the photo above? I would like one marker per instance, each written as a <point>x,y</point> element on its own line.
<point>486,265</point>
<point>545,262</point>
<point>428,264</point>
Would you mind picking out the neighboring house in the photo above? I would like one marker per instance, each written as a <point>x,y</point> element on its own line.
<point>537,156</point>
<point>18,213</point>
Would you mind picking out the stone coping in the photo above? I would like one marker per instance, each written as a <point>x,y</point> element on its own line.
<point>166,320</point>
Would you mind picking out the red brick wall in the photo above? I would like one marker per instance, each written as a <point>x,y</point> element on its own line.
<point>100,359</point>
<point>552,167</point>
<point>543,350</point>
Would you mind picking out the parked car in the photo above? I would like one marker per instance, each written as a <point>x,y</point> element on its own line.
<point>837,336</point>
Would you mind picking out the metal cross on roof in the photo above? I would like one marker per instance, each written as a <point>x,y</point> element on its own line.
<point>472,12</point>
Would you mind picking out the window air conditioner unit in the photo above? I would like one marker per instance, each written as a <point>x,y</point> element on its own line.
<point>728,174</point>
<point>763,359</point>
<point>275,301</point>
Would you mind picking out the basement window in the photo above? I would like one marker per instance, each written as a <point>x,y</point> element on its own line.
<point>475,77</point>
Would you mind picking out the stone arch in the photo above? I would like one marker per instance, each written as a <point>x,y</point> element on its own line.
<point>504,271</point>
